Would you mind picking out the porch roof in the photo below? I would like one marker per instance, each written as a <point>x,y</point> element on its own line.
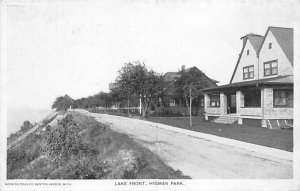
<point>279,80</point>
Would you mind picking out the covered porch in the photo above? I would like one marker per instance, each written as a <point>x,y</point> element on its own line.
<point>260,103</point>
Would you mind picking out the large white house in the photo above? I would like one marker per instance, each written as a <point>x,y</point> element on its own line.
<point>260,91</point>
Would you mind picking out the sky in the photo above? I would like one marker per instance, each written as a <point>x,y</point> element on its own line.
<point>55,49</point>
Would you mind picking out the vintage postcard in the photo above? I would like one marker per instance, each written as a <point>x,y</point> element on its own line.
<point>149,95</point>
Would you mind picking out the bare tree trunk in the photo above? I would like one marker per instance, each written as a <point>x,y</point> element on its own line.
<point>128,105</point>
<point>144,112</point>
<point>144,107</point>
<point>187,104</point>
<point>191,124</point>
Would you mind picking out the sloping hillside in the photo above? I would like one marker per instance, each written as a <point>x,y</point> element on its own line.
<point>78,147</point>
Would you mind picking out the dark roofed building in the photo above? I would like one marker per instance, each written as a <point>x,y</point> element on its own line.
<point>174,94</point>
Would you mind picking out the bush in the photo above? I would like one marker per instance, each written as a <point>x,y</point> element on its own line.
<point>26,126</point>
<point>16,158</point>
<point>64,141</point>
<point>81,168</point>
<point>22,155</point>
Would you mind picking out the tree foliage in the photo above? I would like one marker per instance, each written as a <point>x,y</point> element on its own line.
<point>101,99</point>
<point>62,103</point>
<point>190,83</point>
<point>136,79</point>
<point>26,125</point>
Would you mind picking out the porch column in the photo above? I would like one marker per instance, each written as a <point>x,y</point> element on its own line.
<point>239,104</point>
<point>223,104</point>
<point>266,104</point>
<point>206,104</point>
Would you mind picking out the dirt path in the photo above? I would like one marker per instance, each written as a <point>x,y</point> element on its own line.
<point>196,157</point>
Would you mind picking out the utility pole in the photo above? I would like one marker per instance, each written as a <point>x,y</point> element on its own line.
<point>191,124</point>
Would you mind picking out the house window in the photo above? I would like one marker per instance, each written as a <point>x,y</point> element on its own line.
<point>172,102</point>
<point>252,98</point>
<point>248,72</point>
<point>271,68</point>
<point>215,100</point>
<point>270,45</point>
<point>283,98</point>
<point>248,52</point>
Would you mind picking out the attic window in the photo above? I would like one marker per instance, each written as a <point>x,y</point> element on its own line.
<point>270,45</point>
<point>248,52</point>
<point>270,68</point>
<point>248,72</point>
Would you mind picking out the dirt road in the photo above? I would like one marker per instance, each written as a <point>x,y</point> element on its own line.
<point>199,158</point>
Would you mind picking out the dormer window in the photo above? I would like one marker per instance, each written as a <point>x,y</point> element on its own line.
<point>248,72</point>
<point>271,68</point>
<point>248,52</point>
<point>270,45</point>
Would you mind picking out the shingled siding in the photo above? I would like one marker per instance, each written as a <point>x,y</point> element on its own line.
<point>250,111</point>
<point>275,113</point>
<point>213,110</point>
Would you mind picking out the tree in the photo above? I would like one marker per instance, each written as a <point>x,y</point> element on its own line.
<point>136,78</point>
<point>26,125</point>
<point>62,103</point>
<point>102,99</point>
<point>190,83</point>
<point>79,103</point>
<point>117,97</point>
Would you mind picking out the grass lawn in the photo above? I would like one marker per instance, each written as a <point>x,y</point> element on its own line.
<point>277,138</point>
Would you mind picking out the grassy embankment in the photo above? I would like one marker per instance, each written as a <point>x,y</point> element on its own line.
<point>81,148</point>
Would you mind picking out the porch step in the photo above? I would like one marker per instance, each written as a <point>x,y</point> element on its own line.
<point>225,120</point>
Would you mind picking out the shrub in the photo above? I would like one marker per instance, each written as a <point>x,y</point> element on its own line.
<point>22,155</point>
<point>64,141</point>
<point>16,158</point>
<point>81,168</point>
<point>26,126</point>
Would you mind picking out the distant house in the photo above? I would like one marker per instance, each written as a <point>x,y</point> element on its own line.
<point>261,87</point>
<point>112,85</point>
<point>174,95</point>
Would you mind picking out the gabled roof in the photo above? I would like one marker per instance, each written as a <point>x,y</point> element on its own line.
<point>256,42</point>
<point>194,67</point>
<point>285,39</point>
<point>171,76</point>
<point>254,39</point>
<point>237,63</point>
